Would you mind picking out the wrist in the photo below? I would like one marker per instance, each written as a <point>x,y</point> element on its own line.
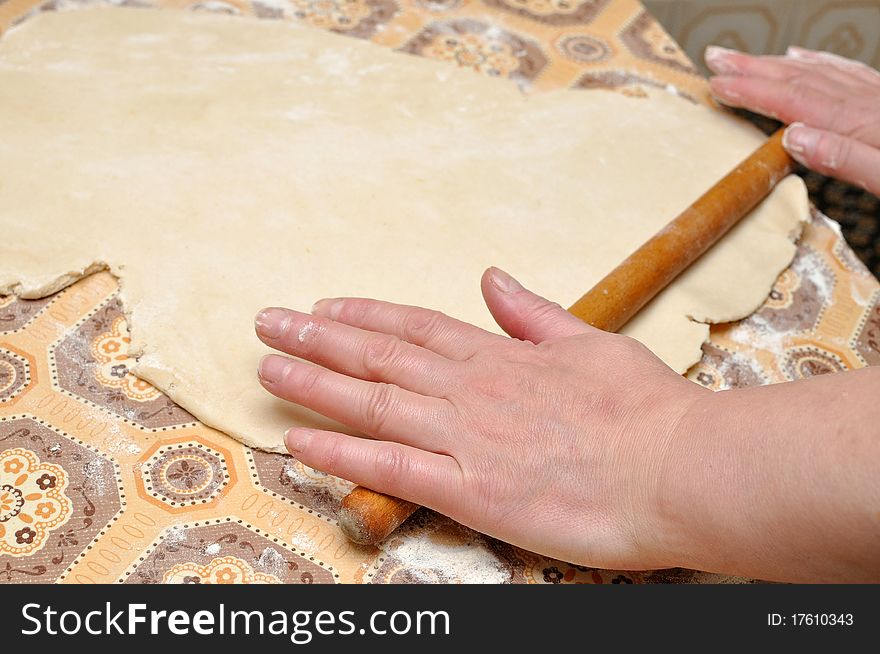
<point>688,473</point>
<point>776,482</point>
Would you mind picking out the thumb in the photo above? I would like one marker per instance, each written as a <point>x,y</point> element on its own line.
<point>524,315</point>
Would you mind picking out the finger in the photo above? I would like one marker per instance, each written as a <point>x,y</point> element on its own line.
<point>429,479</point>
<point>834,155</point>
<point>857,69</point>
<point>384,411</point>
<point>724,61</point>
<point>525,315</point>
<point>355,352</point>
<point>789,103</point>
<point>433,330</point>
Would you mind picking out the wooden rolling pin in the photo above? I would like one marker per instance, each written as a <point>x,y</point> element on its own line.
<point>368,517</point>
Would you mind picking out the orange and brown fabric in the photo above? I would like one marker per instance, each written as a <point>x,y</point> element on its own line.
<point>104,479</point>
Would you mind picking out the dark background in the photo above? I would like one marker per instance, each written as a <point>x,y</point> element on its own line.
<point>857,211</point>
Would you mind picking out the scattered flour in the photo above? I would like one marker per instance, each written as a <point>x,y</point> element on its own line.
<point>289,469</point>
<point>833,225</point>
<point>336,64</point>
<point>174,535</point>
<point>143,39</point>
<point>308,480</point>
<point>212,549</point>
<point>470,562</point>
<point>301,112</point>
<point>494,33</point>
<point>96,476</point>
<point>734,363</point>
<point>431,5</point>
<point>67,67</point>
<point>302,542</point>
<point>116,442</point>
<point>810,267</point>
<point>858,295</point>
<point>272,562</point>
<point>216,5</point>
<point>280,5</point>
<point>758,333</point>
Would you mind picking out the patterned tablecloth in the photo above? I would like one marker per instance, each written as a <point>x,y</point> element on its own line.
<point>104,479</point>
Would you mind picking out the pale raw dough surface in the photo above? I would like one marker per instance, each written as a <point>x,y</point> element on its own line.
<point>218,165</point>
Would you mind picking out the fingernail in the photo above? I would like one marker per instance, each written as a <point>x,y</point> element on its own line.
<point>298,439</point>
<point>504,282</point>
<point>798,139</point>
<point>718,60</point>
<point>720,49</point>
<point>273,368</point>
<point>794,52</point>
<point>271,322</point>
<point>327,307</point>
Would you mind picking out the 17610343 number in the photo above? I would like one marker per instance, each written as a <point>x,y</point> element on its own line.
<point>810,620</point>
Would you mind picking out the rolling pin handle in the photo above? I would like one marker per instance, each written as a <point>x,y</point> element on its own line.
<point>367,517</point>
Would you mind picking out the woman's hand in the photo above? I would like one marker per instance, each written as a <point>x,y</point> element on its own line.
<point>583,445</point>
<point>832,103</point>
<point>554,440</point>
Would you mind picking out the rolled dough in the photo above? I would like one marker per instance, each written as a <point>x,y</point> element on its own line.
<point>217,165</point>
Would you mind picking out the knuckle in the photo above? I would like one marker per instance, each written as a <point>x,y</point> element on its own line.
<point>803,92</point>
<point>798,79</point>
<point>833,152</point>
<point>421,325</point>
<point>609,351</point>
<point>554,353</point>
<point>380,354</point>
<point>543,311</point>
<point>863,122</point>
<point>532,355</point>
<point>799,92</point>
<point>392,464</point>
<point>309,381</point>
<point>331,455</point>
<point>620,346</point>
<point>835,113</point>
<point>379,404</point>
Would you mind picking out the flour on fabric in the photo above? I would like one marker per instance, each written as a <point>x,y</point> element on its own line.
<point>467,560</point>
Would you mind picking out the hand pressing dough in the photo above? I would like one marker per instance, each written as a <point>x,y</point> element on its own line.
<point>218,165</point>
